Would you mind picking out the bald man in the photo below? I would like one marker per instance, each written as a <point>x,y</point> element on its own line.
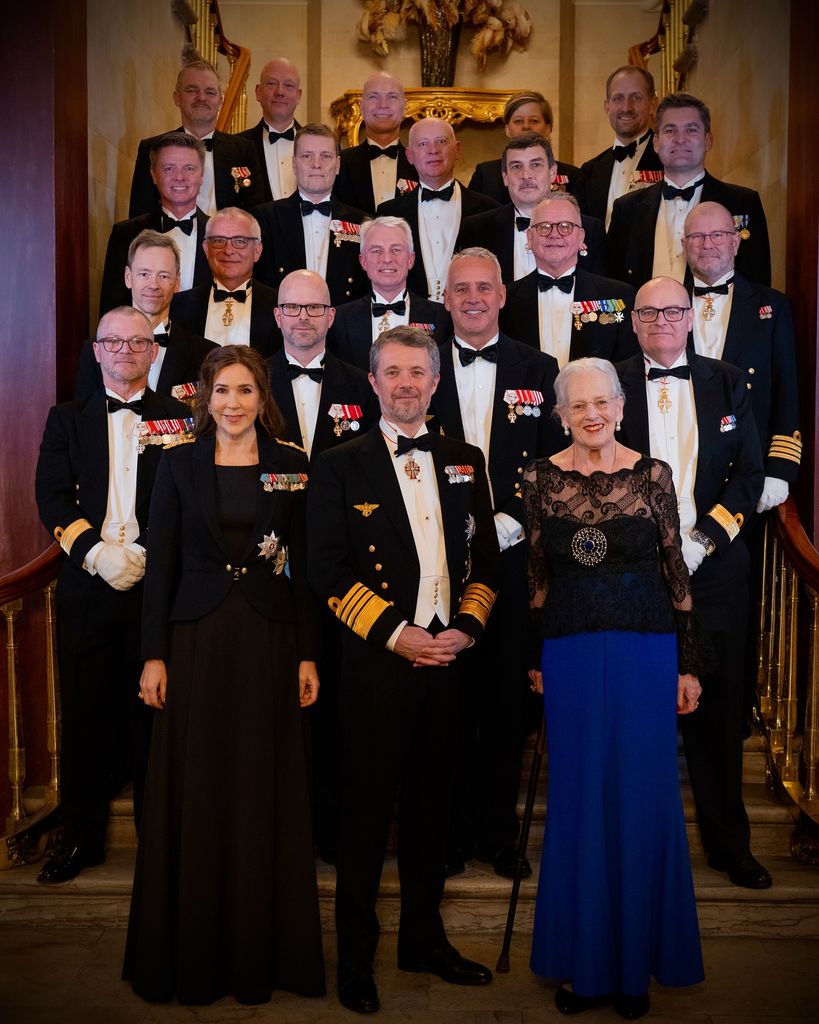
<point>434,211</point>
<point>377,169</point>
<point>278,92</point>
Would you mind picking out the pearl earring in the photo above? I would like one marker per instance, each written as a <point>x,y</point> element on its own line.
<point>617,426</point>
<point>566,430</point>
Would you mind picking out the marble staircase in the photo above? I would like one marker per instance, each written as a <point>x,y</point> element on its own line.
<point>477,900</point>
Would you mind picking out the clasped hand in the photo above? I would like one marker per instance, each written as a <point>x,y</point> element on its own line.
<point>120,565</point>
<point>425,650</point>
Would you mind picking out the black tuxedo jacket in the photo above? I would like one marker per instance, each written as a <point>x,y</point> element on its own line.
<point>188,571</point>
<point>258,135</point>
<point>634,220</point>
<point>114,292</point>
<point>354,184</point>
<point>488,179</point>
<point>283,248</point>
<point>350,337</point>
<point>406,206</point>
<point>183,357</point>
<point>228,151</point>
<point>511,444</point>
<point>71,481</point>
<point>729,463</point>
<point>519,317</point>
<point>591,185</point>
<point>190,309</point>
<point>765,349</point>
<point>342,384</point>
<point>495,230</point>
<point>362,559</point>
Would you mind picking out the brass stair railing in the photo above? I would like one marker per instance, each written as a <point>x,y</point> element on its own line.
<point>27,604</point>
<point>788,672</point>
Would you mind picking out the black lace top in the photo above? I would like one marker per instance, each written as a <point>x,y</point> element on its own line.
<point>604,554</point>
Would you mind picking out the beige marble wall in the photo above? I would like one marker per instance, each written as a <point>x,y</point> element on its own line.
<point>743,77</point>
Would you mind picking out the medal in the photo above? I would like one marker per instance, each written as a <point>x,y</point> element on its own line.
<point>708,308</point>
<point>411,468</point>
<point>345,417</point>
<point>227,316</point>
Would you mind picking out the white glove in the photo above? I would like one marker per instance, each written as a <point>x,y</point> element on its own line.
<point>509,531</point>
<point>693,553</point>
<point>774,492</point>
<point>119,565</point>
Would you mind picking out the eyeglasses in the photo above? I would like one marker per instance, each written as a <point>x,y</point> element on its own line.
<point>564,227</point>
<point>134,344</point>
<point>238,241</point>
<point>672,314</point>
<point>601,405</point>
<point>295,308</point>
<point>701,237</point>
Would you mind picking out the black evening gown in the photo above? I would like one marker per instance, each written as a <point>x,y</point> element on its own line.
<point>225,899</point>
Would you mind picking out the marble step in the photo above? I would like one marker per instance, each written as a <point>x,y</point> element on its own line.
<point>476,901</point>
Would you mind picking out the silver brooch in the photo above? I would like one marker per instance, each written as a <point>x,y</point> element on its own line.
<point>589,546</point>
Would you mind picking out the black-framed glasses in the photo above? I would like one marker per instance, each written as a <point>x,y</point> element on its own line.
<point>295,308</point>
<point>564,227</point>
<point>237,241</point>
<point>134,344</point>
<point>717,237</point>
<point>672,314</point>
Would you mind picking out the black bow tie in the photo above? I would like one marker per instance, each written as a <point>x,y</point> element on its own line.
<point>208,144</point>
<point>290,134</point>
<point>315,373</point>
<point>714,289</point>
<point>621,152</point>
<point>424,443</point>
<point>683,372</point>
<point>522,223</point>
<point>469,355</point>
<point>167,223</point>
<point>391,151</point>
<point>221,296</point>
<point>162,339</point>
<point>380,308</point>
<point>114,405</point>
<point>431,193</point>
<point>670,192</point>
<point>323,208</point>
<point>565,284</point>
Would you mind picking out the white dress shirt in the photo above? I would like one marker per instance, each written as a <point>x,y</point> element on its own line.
<point>206,200</point>
<point>384,174</point>
<point>390,319</point>
<point>709,335</point>
<point>156,365</point>
<point>554,309</point>
<point>316,228</point>
<point>438,223</point>
<point>524,259</point>
<point>669,258</point>
<point>307,395</point>
<point>278,158</point>
<point>674,437</point>
<point>188,246</point>
<point>237,332</point>
<point>622,172</point>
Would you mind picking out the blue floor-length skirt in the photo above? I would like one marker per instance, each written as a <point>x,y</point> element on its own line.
<point>615,901</point>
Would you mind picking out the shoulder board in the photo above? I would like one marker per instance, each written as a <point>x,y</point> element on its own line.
<point>292,444</point>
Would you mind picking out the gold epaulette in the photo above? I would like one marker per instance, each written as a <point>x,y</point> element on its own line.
<point>785,447</point>
<point>359,609</point>
<point>292,444</point>
<point>477,602</point>
<point>65,536</point>
<point>731,524</point>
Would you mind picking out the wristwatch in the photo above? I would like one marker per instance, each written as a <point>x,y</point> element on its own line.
<point>705,540</point>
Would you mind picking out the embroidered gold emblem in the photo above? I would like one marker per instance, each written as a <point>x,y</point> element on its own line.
<point>366,509</point>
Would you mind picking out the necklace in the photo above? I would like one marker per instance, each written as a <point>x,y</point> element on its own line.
<point>610,469</point>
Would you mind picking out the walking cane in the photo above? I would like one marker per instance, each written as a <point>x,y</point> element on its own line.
<point>540,747</point>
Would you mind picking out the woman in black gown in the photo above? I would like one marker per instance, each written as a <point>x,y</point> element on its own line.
<point>612,603</point>
<point>225,899</point>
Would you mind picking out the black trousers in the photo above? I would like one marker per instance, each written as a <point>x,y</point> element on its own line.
<point>105,728</point>
<point>399,727</point>
<point>713,733</point>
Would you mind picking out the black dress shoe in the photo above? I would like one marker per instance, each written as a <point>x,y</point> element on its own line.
<point>569,1002</point>
<point>505,863</point>
<point>456,858</point>
<point>743,870</point>
<point>357,991</point>
<point>448,964</point>
<point>67,863</point>
<point>631,1007</point>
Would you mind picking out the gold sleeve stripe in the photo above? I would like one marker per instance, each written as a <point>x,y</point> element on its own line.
<point>477,602</point>
<point>785,447</point>
<point>66,537</point>
<point>359,609</point>
<point>731,524</point>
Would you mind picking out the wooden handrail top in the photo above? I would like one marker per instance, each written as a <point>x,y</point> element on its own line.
<point>802,555</point>
<point>38,573</point>
<point>225,46</point>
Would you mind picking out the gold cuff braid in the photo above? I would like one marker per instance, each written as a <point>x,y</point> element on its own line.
<point>785,447</point>
<point>65,537</point>
<point>731,524</point>
<point>359,609</point>
<point>477,601</point>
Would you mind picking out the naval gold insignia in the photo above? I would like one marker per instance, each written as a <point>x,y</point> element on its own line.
<point>366,509</point>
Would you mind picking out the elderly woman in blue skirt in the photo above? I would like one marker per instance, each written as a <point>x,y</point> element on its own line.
<point>611,602</point>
